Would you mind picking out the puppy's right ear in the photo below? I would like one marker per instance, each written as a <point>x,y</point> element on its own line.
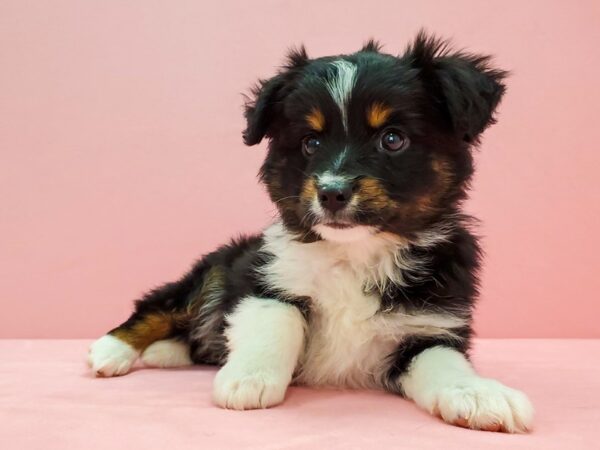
<point>264,106</point>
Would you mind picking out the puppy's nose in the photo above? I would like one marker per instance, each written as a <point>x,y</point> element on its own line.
<point>334,199</point>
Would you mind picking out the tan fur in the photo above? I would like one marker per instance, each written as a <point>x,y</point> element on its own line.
<point>309,190</point>
<point>373,195</point>
<point>427,203</point>
<point>377,114</point>
<point>316,120</point>
<point>444,171</point>
<point>149,329</point>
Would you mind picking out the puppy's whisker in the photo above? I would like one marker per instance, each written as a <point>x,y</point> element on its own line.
<point>287,198</point>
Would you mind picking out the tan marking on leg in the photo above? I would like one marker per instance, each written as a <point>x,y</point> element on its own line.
<point>145,331</point>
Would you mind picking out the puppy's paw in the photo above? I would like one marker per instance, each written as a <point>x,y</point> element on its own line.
<point>482,404</point>
<point>110,356</point>
<point>245,388</point>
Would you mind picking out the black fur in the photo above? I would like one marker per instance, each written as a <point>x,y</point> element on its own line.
<point>468,88</point>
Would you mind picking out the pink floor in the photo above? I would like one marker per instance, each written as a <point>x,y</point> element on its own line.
<point>49,400</point>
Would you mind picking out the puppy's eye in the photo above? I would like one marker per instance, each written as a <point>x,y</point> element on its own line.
<point>393,141</point>
<point>310,145</point>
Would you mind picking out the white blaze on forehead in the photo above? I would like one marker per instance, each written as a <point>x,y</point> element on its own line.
<point>339,161</point>
<point>341,85</point>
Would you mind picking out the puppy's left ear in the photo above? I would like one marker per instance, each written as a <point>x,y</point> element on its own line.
<point>465,85</point>
<point>265,107</point>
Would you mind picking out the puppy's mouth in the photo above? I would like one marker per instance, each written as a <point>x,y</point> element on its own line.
<point>339,225</point>
<point>343,231</point>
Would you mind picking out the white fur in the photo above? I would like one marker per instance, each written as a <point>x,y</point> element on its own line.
<point>340,159</point>
<point>352,234</point>
<point>110,356</point>
<point>167,353</point>
<point>441,381</point>
<point>348,338</point>
<point>340,87</point>
<point>265,338</point>
<point>331,180</point>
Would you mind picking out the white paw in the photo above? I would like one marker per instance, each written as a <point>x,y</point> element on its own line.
<point>167,353</point>
<point>110,356</point>
<point>239,388</point>
<point>482,404</point>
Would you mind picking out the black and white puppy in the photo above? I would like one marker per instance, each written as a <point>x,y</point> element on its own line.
<point>369,277</point>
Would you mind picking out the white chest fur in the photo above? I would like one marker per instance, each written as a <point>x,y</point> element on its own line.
<point>348,339</point>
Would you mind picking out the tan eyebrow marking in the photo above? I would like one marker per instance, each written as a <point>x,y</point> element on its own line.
<point>377,114</point>
<point>316,119</point>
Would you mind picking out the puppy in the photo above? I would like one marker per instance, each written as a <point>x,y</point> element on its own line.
<point>368,278</point>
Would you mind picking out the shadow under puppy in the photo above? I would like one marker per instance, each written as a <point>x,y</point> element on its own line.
<point>369,277</point>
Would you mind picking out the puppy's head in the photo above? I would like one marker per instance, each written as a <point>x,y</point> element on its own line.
<point>370,142</point>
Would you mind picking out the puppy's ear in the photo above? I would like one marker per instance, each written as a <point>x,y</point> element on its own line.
<point>264,107</point>
<point>466,87</point>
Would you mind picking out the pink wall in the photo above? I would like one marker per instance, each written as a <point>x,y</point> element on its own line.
<point>121,159</point>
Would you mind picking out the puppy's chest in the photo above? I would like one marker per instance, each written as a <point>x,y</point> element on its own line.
<point>348,338</point>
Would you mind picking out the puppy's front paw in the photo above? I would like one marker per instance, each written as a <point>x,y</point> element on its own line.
<point>110,356</point>
<point>482,404</point>
<point>248,388</point>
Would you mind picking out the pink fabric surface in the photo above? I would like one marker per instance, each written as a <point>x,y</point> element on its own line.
<point>49,400</point>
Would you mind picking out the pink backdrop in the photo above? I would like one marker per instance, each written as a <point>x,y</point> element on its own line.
<point>121,159</point>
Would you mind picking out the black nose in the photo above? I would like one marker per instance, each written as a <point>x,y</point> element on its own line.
<point>334,199</point>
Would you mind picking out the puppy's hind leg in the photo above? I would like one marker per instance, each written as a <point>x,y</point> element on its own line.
<point>167,353</point>
<point>159,316</point>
